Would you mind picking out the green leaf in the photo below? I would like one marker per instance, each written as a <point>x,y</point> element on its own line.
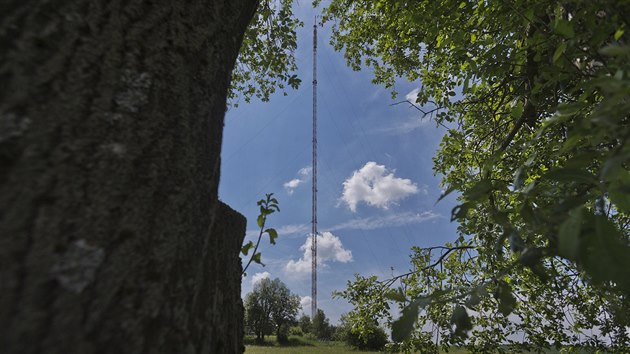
<point>569,234</point>
<point>618,33</point>
<point>519,177</point>
<point>395,295</point>
<point>530,257</point>
<point>473,300</point>
<point>516,242</point>
<point>256,259</point>
<point>527,213</point>
<point>620,196</point>
<point>459,211</point>
<point>571,175</point>
<point>614,50</point>
<point>245,249</point>
<point>529,188</point>
<point>261,220</point>
<point>479,190</point>
<point>402,327</point>
<point>559,51</point>
<point>569,109</point>
<point>461,320</point>
<point>564,28</point>
<point>273,234</point>
<point>507,302</point>
<point>445,193</point>
<point>608,256</point>
<point>517,110</point>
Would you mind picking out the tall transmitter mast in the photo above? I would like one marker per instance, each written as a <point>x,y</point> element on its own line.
<point>314,220</point>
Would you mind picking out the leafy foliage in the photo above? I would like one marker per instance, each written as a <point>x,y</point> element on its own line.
<point>305,323</point>
<point>534,96</point>
<point>320,326</point>
<point>268,206</point>
<point>266,61</point>
<point>271,305</point>
<point>372,338</point>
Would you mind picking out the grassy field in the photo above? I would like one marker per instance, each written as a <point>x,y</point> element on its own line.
<point>300,345</point>
<point>297,345</point>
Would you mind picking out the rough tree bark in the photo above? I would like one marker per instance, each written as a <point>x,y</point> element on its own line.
<point>112,238</point>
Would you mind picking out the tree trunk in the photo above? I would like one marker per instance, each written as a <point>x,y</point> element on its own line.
<point>112,238</point>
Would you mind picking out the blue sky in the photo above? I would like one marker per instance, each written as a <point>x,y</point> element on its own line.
<point>377,190</point>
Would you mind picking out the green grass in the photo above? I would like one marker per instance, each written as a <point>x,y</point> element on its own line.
<point>301,345</point>
<point>298,345</point>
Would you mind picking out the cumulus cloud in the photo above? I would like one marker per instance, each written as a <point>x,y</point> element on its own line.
<point>305,302</point>
<point>377,186</point>
<point>260,276</point>
<point>329,249</point>
<point>303,174</point>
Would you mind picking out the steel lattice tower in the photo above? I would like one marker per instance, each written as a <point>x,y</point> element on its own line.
<point>314,205</point>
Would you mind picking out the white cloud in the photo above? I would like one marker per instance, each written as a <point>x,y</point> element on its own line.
<point>386,221</point>
<point>259,276</point>
<point>377,186</point>
<point>292,229</point>
<point>402,127</point>
<point>286,230</point>
<point>303,173</point>
<point>305,302</point>
<point>412,96</point>
<point>329,249</point>
<point>371,223</point>
<point>405,125</point>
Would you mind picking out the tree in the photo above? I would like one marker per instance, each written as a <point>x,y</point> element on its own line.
<point>111,115</point>
<point>533,96</point>
<point>363,336</point>
<point>270,306</point>
<point>305,324</point>
<point>320,326</point>
<point>266,61</point>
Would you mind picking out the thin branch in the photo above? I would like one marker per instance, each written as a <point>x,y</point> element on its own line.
<point>432,265</point>
<point>424,113</point>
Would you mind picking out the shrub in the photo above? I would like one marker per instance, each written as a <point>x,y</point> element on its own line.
<point>371,336</point>
<point>296,331</point>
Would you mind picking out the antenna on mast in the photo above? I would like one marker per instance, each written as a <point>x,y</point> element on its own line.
<point>314,205</point>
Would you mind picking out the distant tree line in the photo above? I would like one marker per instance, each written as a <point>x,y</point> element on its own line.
<point>271,308</point>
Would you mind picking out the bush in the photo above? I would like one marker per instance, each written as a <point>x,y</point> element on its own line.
<point>282,333</point>
<point>372,338</point>
<point>375,339</point>
<point>296,331</point>
<point>310,336</point>
<point>282,337</point>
